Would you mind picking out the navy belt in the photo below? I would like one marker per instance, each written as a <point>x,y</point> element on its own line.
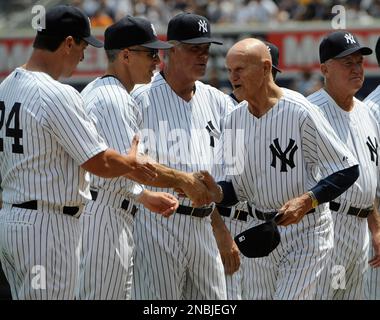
<point>124,204</point>
<point>238,214</point>
<point>194,212</point>
<point>32,205</point>
<point>267,215</point>
<point>357,212</point>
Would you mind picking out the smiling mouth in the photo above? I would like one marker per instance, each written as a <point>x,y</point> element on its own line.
<point>237,86</point>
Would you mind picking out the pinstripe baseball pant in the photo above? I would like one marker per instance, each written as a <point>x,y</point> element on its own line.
<point>39,253</point>
<point>106,260</point>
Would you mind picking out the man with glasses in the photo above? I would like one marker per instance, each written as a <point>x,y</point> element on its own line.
<point>131,46</point>
<point>178,257</point>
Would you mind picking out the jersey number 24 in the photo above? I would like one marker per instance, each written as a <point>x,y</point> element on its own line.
<point>16,131</point>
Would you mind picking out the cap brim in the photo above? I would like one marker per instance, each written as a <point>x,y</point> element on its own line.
<point>94,42</point>
<point>158,44</point>
<point>201,40</point>
<point>365,51</point>
<point>277,69</point>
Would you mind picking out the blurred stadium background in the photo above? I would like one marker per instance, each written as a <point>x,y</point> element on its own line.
<point>295,26</point>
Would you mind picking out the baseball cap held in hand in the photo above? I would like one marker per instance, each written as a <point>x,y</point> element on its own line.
<point>190,28</point>
<point>132,31</point>
<point>259,241</point>
<point>339,44</point>
<point>64,20</point>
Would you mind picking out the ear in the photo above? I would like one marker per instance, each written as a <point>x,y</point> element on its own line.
<point>267,65</point>
<point>125,55</point>
<point>324,69</point>
<point>68,43</point>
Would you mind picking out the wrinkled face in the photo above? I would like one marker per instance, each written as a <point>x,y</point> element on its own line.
<point>245,74</point>
<point>194,58</point>
<point>75,54</point>
<point>345,73</point>
<point>142,63</point>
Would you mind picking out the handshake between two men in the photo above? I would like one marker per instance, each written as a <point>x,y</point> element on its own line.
<point>199,187</point>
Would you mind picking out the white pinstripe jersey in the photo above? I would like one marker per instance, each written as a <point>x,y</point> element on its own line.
<point>373,277</point>
<point>359,131</point>
<point>373,102</point>
<point>283,148</point>
<point>180,134</point>
<point>117,119</point>
<point>40,159</point>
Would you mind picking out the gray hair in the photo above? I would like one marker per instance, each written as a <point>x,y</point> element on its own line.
<point>112,54</point>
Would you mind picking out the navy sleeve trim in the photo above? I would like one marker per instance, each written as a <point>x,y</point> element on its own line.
<point>335,184</point>
<point>229,194</point>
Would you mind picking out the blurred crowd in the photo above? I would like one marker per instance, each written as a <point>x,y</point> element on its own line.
<point>104,12</point>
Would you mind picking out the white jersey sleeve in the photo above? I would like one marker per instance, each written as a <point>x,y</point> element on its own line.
<point>321,146</point>
<point>66,119</point>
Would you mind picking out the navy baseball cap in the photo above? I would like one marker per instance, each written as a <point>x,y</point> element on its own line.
<point>190,28</point>
<point>259,241</point>
<point>377,51</point>
<point>64,20</point>
<point>274,53</point>
<point>132,31</point>
<point>339,44</point>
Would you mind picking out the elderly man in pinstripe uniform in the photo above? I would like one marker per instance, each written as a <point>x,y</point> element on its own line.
<point>293,165</point>
<point>341,58</point>
<point>178,258</point>
<point>372,289</point>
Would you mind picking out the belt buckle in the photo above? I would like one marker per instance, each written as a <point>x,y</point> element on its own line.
<point>360,210</point>
<point>238,214</point>
<point>192,211</point>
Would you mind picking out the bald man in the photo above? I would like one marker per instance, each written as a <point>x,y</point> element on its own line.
<point>293,165</point>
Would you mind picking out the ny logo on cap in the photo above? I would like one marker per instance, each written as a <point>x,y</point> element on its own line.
<point>349,38</point>
<point>202,25</point>
<point>154,30</point>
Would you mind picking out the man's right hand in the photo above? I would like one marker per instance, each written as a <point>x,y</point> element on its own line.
<point>143,169</point>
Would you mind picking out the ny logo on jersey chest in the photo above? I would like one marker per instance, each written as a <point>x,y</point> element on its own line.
<point>286,157</point>
<point>373,150</point>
